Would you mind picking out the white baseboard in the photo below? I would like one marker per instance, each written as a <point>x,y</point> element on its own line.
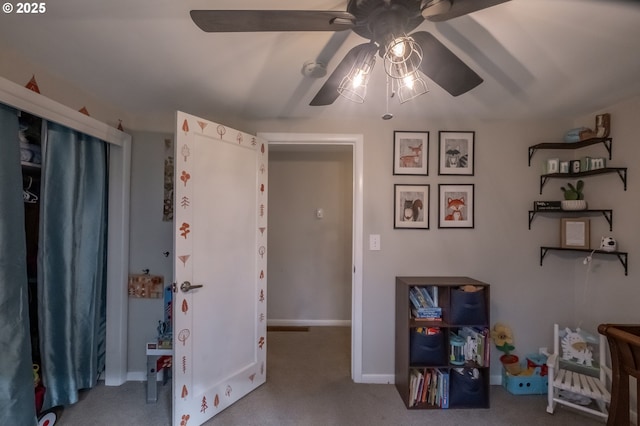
<point>495,379</point>
<point>378,379</point>
<point>308,323</point>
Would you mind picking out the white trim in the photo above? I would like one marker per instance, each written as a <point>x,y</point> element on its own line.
<point>34,103</point>
<point>26,100</point>
<point>356,141</point>
<point>379,379</point>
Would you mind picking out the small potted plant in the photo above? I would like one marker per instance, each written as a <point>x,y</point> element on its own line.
<point>503,340</point>
<point>573,196</point>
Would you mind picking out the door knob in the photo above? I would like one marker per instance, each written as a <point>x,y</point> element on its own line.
<point>186,286</point>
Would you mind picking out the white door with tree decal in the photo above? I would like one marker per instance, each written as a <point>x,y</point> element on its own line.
<point>220,240</point>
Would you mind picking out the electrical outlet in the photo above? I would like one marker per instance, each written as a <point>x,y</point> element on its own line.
<point>543,350</point>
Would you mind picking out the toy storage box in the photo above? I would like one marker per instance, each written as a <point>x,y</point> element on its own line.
<point>533,384</point>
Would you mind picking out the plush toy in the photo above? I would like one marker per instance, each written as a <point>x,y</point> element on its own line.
<point>608,244</point>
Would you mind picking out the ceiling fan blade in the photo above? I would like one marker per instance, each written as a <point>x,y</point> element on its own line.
<point>463,7</point>
<point>271,20</point>
<point>328,93</point>
<point>443,67</point>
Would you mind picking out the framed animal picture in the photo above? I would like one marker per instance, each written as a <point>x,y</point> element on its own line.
<point>411,153</point>
<point>456,153</point>
<point>455,206</point>
<point>411,207</point>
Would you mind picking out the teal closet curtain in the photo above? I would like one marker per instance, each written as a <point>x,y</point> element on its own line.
<point>72,263</point>
<point>17,398</point>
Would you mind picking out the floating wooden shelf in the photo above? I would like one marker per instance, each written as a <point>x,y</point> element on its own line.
<point>607,142</point>
<point>622,255</point>
<point>607,213</point>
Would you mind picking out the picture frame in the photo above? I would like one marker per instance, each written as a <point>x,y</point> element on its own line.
<point>456,206</point>
<point>411,153</point>
<point>456,153</point>
<point>411,206</point>
<point>574,233</point>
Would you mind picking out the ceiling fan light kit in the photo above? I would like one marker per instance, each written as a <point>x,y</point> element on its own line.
<point>410,87</point>
<point>354,85</point>
<point>402,57</point>
<point>386,24</point>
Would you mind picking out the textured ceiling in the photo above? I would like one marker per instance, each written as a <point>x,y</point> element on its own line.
<point>539,58</point>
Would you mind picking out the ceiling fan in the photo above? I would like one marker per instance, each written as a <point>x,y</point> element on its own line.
<point>379,21</point>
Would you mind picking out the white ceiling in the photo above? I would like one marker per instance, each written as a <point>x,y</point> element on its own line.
<point>539,58</point>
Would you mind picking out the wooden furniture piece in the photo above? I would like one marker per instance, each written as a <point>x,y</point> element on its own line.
<point>576,376</point>
<point>428,355</point>
<point>624,344</point>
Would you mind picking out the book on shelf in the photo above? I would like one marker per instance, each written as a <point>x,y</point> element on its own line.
<point>424,301</point>
<point>429,386</point>
<point>547,205</point>
<point>476,345</point>
<point>424,296</point>
<point>427,314</point>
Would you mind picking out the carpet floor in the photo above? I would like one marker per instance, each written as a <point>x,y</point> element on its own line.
<point>309,384</point>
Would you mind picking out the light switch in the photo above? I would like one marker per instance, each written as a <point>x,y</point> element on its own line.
<point>319,213</point>
<point>374,242</point>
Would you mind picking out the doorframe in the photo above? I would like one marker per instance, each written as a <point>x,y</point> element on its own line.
<point>356,142</point>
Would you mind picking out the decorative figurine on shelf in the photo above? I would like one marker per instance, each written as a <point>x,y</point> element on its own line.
<point>608,244</point>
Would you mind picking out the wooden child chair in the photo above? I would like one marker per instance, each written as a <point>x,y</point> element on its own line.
<point>578,374</point>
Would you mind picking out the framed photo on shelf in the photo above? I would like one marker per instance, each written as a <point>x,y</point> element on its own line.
<point>455,206</point>
<point>411,153</point>
<point>456,153</point>
<point>411,206</point>
<point>574,233</point>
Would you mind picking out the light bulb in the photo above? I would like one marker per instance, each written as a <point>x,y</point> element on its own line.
<point>398,48</point>
<point>408,81</point>
<point>357,80</point>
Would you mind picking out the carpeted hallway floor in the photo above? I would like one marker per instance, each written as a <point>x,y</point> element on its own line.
<point>309,384</point>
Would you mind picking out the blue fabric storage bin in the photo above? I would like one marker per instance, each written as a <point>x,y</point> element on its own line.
<point>468,307</point>
<point>427,349</point>
<point>465,390</point>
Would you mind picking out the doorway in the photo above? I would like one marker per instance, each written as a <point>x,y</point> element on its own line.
<point>337,142</point>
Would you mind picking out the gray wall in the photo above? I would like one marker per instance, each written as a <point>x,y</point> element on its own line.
<point>501,250</point>
<point>309,264</point>
<point>150,237</point>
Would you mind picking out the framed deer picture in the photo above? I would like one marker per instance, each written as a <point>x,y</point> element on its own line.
<point>411,153</point>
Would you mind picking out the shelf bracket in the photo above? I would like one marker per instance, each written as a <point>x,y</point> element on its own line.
<point>532,151</point>
<point>607,144</point>
<point>608,214</point>
<point>543,181</point>
<point>532,213</point>
<point>543,253</point>
<point>622,257</point>
<point>623,176</point>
